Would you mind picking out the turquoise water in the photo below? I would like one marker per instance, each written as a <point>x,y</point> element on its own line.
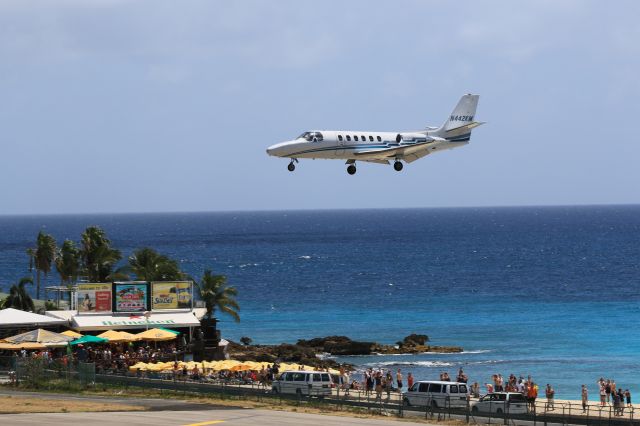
<point>552,292</point>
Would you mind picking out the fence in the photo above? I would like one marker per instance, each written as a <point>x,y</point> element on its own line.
<point>37,373</point>
<point>41,372</point>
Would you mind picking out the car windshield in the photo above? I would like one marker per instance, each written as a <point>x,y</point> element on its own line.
<point>311,136</point>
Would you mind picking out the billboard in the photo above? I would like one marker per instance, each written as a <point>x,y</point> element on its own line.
<point>94,297</point>
<point>171,295</point>
<point>131,296</point>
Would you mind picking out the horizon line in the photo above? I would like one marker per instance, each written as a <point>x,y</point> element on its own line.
<point>122,213</point>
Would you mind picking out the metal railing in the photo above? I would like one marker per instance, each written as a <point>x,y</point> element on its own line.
<point>392,403</point>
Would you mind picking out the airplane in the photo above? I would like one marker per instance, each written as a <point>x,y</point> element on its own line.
<point>381,147</point>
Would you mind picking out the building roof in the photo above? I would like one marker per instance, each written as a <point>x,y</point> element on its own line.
<point>10,318</point>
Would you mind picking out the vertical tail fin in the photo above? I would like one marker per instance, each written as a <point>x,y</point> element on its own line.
<point>462,115</point>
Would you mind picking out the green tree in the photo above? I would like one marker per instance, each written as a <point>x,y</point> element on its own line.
<point>217,294</point>
<point>19,298</point>
<point>96,254</point>
<point>149,265</point>
<point>68,262</point>
<point>42,257</point>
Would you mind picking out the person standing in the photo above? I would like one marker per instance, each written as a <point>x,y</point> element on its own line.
<point>603,394</point>
<point>585,398</point>
<point>627,395</point>
<point>549,393</point>
<point>409,381</point>
<point>399,380</point>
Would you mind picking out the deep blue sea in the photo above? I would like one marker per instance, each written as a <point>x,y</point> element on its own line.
<point>549,291</point>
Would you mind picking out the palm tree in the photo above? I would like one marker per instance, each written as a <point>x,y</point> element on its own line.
<point>43,257</point>
<point>149,265</point>
<point>19,298</point>
<point>68,262</point>
<point>96,255</point>
<point>216,293</point>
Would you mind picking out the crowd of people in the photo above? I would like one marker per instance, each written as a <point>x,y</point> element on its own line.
<point>611,394</point>
<point>119,357</point>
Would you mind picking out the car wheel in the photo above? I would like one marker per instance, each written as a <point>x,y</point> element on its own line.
<point>406,402</point>
<point>434,404</point>
<point>499,411</point>
<point>474,409</point>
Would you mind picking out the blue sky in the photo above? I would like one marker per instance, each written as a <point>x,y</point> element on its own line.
<point>136,106</point>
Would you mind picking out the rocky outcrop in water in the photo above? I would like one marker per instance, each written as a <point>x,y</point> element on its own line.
<point>307,351</point>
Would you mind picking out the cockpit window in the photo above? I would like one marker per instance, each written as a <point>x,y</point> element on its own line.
<point>311,136</point>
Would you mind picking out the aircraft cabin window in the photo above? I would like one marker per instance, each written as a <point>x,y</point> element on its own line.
<point>363,138</point>
<point>340,138</point>
<point>348,138</point>
<point>355,138</point>
<point>379,139</point>
<point>371,138</point>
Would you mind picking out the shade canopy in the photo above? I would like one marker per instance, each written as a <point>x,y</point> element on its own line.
<point>156,335</point>
<point>45,337</point>
<point>115,336</point>
<point>89,339</point>
<point>72,333</point>
<point>13,318</point>
<point>19,346</point>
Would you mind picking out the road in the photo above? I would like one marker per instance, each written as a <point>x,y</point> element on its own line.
<point>175,412</point>
<point>226,416</point>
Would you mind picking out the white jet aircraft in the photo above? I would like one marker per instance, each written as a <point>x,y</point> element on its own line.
<point>380,147</point>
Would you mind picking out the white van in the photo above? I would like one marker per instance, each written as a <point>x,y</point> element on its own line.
<point>311,383</point>
<point>501,402</point>
<point>436,394</point>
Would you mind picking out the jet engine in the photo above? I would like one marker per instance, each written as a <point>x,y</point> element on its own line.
<point>412,137</point>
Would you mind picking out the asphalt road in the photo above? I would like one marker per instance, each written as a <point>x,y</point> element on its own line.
<point>231,417</point>
<point>174,412</point>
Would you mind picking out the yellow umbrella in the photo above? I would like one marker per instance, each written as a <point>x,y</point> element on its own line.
<point>71,333</point>
<point>9,346</point>
<point>118,336</point>
<point>241,367</point>
<point>156,335</point>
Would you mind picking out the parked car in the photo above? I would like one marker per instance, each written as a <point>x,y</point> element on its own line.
<point>436,394</point>
<point>311,383</point>
<point>500,402</point>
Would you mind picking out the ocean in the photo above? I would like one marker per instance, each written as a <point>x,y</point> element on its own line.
<point>551,292</point>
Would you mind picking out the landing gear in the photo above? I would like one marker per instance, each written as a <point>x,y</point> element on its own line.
<point>351,169</point>
<point>291,167</point>
<point>397,166</point>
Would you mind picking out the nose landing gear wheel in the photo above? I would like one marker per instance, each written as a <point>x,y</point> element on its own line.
<point>397,166</point>
<point>291,167</point>
<point>351,169</point>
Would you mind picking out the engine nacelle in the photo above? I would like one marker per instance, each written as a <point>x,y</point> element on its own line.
<point>412,137</point>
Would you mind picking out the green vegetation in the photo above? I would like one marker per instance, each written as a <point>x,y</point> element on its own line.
<point>97,256</point>
<point>216,293</point>
<point>42,257</point>
<point>68,262</point>
<point>95,260</point>
<point>18,297</point>
<point>149,265</point>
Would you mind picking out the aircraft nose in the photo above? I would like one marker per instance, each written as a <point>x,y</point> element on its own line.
<point>277,149</point>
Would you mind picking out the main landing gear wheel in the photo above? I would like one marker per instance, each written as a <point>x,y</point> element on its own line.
<point>397,166</point>
<point>291,167</point>
<point>351,169</point>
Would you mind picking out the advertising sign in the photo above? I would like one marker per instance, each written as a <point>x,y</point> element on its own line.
<point>94,297</point>
<point>131,296</point>
<point>171,295</point>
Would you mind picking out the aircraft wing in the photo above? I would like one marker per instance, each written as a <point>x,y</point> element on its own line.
<point>395,151</point>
